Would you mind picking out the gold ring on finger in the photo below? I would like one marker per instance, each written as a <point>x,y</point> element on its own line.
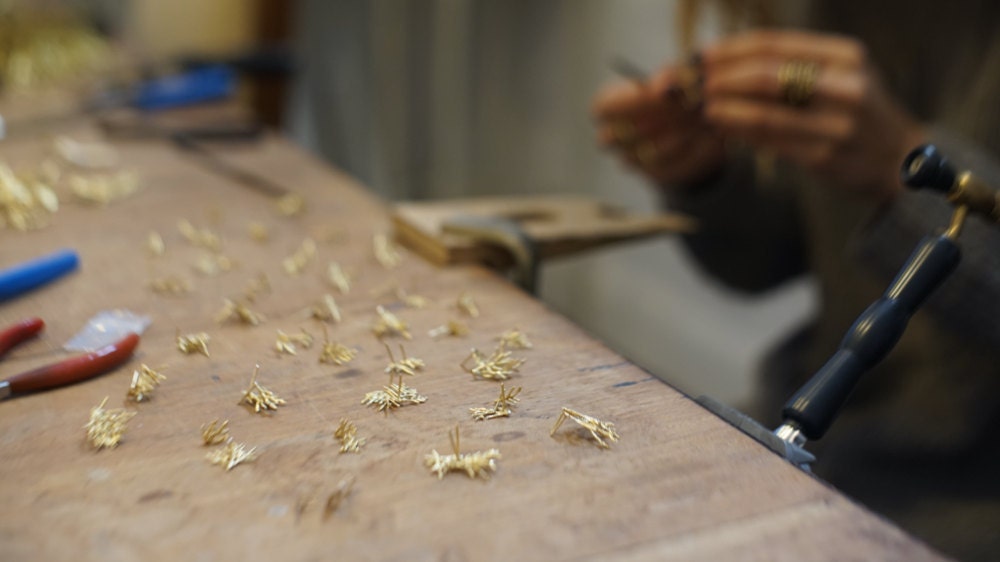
<point>797,81</point>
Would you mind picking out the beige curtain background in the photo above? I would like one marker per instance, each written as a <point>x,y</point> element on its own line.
<point>446,98</point>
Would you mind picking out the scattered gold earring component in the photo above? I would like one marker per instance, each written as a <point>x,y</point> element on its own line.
<point>286,342</point>
<point>498,366</point>
<point>388,324</point>
<point>238,312</point>
<point>211,265</point>
<point>291,205</point>
<point>193,343</point>
<point>347,433</point>
<point>256,286</point>
<point>215,433</point>
<point>453,328</point>
<point>337,497</point>
<point>258,232</point>
<point>202,238</point>
<point>326,310</point>
<point>170,285</point>
<point>106,427</point>
<point>232,455</point>
<point>477,464</point>
<point>155,244</point>
<point>412,301</point>
<point>335,353</point>
<point>104,188</point>
<point>298,261</point>
<point>501,406</point>
<point>259,397</point>
<point>467,305</point>
<point>144,381</point>
<point>405,366</point>
<point>386,252</point>
<point>515,339</point>
<point>391,397</point>
<point>25,204</point>
<point>596,427</point>
<point>338,278</point>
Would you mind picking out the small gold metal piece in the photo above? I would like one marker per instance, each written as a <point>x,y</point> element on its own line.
<point>211,265</point>
<point>347,433</point>
<point>256,286</point>
<point>338,278</point>
<point>298,261</point>
<point>259,397</point>
<point>170,285</point>
<point>238,312</point>
<point>104,188</point>
<point>193,343</point>
<point>258,232</point>
<point>515,339</point>
<point>405,366</point>
<point>500,365</point>
<point>25,203</point>
<point>215,433</point>
<point>412,301</point>
<point>232,455</point>
<point>337,497</point>
<point>596,427</point>
<point>155,244</point>
<point>386,252</point>
<point>388,324</point>
<point>501,406</point>
<point>202,238</point>
<point>453,328</point>
<point>326,310</point>
<point>335,353</point>
<point>467,305</point>
<point>391,397</point>
<point>144,381</point>
<point>477,464</point>
<point>291,205</point>
<point>286,342</point>
<point>106,427</point>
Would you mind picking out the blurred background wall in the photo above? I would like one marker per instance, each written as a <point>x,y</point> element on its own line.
<point>447,98</point>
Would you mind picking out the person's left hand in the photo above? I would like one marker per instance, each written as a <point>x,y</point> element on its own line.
<point>848,129</point>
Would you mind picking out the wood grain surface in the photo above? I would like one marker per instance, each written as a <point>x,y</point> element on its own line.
<point>680,484</point>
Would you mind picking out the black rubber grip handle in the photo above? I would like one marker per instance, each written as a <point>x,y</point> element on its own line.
<point>873,335</point>
<point>926,167</point>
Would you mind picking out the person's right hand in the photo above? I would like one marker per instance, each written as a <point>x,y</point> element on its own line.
<point>652,131</point>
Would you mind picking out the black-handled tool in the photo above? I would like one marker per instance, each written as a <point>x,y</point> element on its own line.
<point>811,410</point>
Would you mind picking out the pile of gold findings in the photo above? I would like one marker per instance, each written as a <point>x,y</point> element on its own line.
<point>104,188</point>
<point>393,396</point>
<point>477,464</point>
<point>500,365</point>
<point>298,261</point>
<point>453,328</point>
<point>144,381</point>
<point>286,342</point>
<point>215,432</point>
<point>386,252</point>
<point>326,310</point>
<point>335,353</point>
<point>467,304</point>
<point>193,343</point>
<point>515,339</point>
<point>258,232</point>
<point>201,238</point>
<point>238,312</point>
<point>290,205</point>
<point>259,397</point>
<point>347,433</point>
<point>412,301</point>
<point>106,427</point>
<point>405,366</point>
<point>501,406</point>
<point>170,285</point>
<point>155,245</point>
<point>231,455</point>
<point>338,278</point>
<point>256,286</point>
<point>25,204</point>
<point>596,427</point>
<point>388,324</point>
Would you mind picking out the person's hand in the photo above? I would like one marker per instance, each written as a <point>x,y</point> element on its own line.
<point>653,131</point>
<point>829,113</point>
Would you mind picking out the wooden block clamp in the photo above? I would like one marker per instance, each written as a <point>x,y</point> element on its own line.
<point>519,232</point>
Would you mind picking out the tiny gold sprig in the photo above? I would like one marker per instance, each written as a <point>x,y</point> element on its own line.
<point>286,342</point>
<point>298,261</point>
<point>211,265</point>
<point>453,328</point>
<point>107,426</point>
<point>389,324</point>
<point>257,286</point>
<point>405,365</point>
<point>335,353</point>
<point>476,464</point>
<point>515,339</point>
<point>412,301</point>
<point>258,232</point>
<point>326,310</point>
<point>499,365</point>
<point>290,205</point>
<point>338,278</point>
<point>144,381</point>
<point>232,455</point>
<point>202,238</point>
<point>386,253</point>
<point>170,285</point>
<point>393,396</point>
<point>258,397</point>
<point>155,245</point>
<point>235,311</point>
<point>215,432</point>
<point>501,406</point>
<point>596,427</point>
<point>467,305</point>
<point>347,433</point>
<point>193,343</point>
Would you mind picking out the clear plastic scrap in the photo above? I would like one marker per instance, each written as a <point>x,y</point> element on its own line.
<point>107,327</point>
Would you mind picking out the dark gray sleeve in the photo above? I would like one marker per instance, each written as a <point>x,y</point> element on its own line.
<point>749,237</point>
<point>969,300</point>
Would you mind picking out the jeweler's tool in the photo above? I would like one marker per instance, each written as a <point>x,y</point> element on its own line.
<point>32,274</point>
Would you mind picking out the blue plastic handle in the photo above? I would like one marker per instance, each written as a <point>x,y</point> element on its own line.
<point>37,272</point>
<point>204,84</point>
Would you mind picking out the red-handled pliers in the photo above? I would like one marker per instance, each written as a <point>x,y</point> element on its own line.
<point>64,372</point>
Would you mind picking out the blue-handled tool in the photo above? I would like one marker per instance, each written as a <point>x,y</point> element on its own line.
<point>35,273</point>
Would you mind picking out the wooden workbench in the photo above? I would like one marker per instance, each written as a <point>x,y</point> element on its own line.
<point>681,484</point>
